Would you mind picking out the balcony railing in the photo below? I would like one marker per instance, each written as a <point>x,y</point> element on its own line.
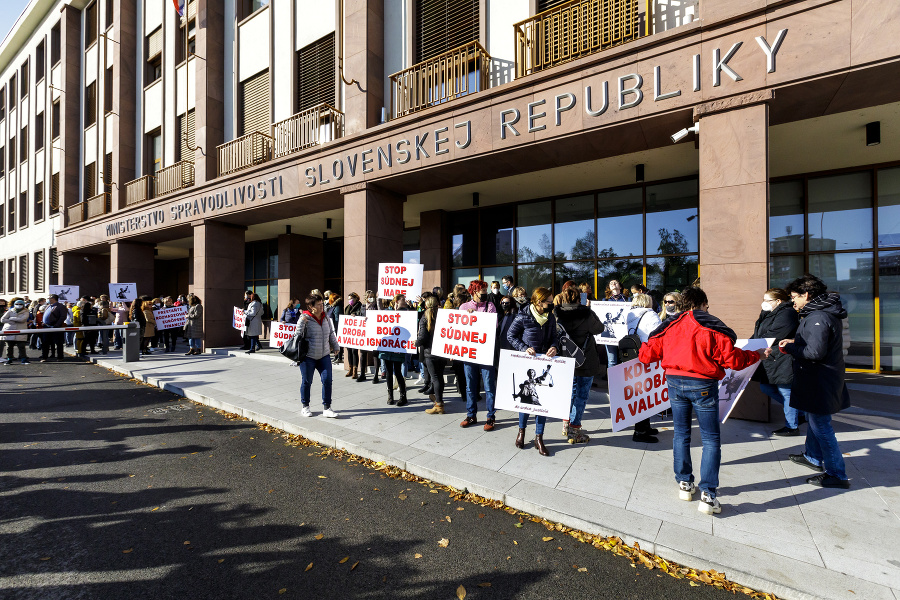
<point>310,127</point>
<point>75,213</point>
<point>244,152</point>
<point>576,29</point>
<point>175,177</point>
<point>139,190</point>
<point>461,71</point>
<point>98,205</point>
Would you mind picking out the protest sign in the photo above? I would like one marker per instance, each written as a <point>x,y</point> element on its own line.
<point>237,319</point>
<point>351,332</point>
<point>122,292</point>
<point>732,387</point>
<point>613,316</point>
<point>170,317</point>
<point>538,385</point>
<point>400,278</point>
<point>281,333</point>
<point>66,293</point>
<point>636,392</point>
<point>392,330</point>
<point>464,336</point>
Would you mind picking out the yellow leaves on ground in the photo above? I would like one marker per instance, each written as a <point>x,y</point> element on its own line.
<point>582,570</point>
<point>44,558</point>
<point>308,567</point>
<point>343,560</point>
<point>402,496</point>
<point>127,551</point>
<point>254,456</point>
<point>433,491</point>
<point>418,555</point>
<point>447,518</point>
<point>322,477</point>
<point>354,565</point>
<point>484,584</point>
<point>320,536</point>
<point>546,539</point>
<point>444,542</point>
<point>461,593</point>
<point>221,560</point>
<point>154,509</point>
<point>282,590</point>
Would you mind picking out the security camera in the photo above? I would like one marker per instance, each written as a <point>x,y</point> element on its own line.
<point>681,134</point>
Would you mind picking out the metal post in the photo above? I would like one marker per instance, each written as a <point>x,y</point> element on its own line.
<point>131,349</point>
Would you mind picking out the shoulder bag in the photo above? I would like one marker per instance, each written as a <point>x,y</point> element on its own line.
<point>296,348</point>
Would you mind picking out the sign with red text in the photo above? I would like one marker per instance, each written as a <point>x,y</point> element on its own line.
<point>732,386</point>
<point>281,333</point>
<point>464,336</point>
<point>613,315</point>
<point>380,331</point>
<point>400,278</point>
<point>170,317</point>
<point>351,332</point>
<point>237,319</point>
<point>537,385</point>
<point>636,392</point>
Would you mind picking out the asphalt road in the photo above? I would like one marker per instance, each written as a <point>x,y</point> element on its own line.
<point>117,490</point>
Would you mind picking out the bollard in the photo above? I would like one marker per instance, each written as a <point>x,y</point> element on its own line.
<point>131,348</point>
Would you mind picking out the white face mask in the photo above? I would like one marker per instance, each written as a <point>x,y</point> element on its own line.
<point>767,306</point>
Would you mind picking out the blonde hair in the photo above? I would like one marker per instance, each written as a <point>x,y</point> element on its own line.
<point>642,301</point>
<point>676,296</point>
<point>431,308</point>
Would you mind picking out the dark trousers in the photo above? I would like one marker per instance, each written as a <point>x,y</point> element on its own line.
<point>169,338</point>
<point>353,357</point>
<point>52,344</point>
<point>11,346</point>
<point>434,366</point>
<point>396,369</point>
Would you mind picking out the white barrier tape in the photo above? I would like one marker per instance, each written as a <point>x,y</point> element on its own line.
<point>55,329</point>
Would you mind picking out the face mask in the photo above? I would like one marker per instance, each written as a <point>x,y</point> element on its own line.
<point>352,301</point>
<point>766,306</point>
<point>495,290</point>
<point>297,306</point>
<point>521,299</point>
<point>370,300</point>
<point>505,289</point>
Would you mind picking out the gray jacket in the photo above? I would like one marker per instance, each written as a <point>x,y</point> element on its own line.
<point>322,339</point>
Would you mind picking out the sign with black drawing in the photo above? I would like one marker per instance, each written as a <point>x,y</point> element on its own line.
<point>122,292</point>
<point>537,385</point>
<point>65,293</point>
<point>613,315</point>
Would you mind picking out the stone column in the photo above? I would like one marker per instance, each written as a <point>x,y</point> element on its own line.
<point>434,248</point>
<point>209,114</point>
<point>123,119</point>
<point>363,32</point>
<point>70,109</point>
<point>373,233</point>
<point>133,262</point>
<point>88,271</point>
<point>219,279</point>
<point>734,194</point>
<point>300,267</point>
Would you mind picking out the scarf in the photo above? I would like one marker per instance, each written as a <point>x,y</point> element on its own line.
<point>541,319</point>
<point>317,319</point>
<point>820,303</point>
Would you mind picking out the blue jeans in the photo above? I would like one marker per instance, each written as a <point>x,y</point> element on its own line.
<point>581,387</point>
<point>539,421</point>
<point>822,446</point>
<point>194,343</point>
<point>701,395</point>
<point>782,395</point>
<point>612,356</point>
<point>308,369</point>
<point>118,337</point>
<point>489,379</point>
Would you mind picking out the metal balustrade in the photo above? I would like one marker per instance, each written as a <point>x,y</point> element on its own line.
<point>308,128</point>
<point>244,152</point>
<point>139,190</point>
<point>174,177</point>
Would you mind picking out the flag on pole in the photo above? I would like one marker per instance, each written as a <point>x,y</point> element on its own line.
<point>179,6</point>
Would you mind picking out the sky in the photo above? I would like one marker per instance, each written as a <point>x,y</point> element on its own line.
<point>9,13</point>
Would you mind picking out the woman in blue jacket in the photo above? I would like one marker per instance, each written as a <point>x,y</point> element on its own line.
<point>534,332</point>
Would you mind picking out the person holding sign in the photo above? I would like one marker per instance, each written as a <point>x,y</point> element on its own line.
<point>694,350</point>
<point>394,362</point>
<point>642,321</point>
<point>487,373</point>
<point>534,332</point>
<point>319,332</point>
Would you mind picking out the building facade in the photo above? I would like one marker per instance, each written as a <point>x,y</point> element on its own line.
<point>285,145</point>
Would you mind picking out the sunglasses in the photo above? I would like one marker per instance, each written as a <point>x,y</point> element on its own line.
<point>668,302</point>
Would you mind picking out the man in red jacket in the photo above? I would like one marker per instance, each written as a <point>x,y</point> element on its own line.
<point>694,349</point>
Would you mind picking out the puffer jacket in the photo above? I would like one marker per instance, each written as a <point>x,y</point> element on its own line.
<point>319,333</point>
<point>15,321</point>
<point>525,333</point>
<point>582,324</point>
<point>780,324</point>
<point>818,354</point>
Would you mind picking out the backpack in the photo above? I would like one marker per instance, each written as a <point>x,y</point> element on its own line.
<point>630,345</point>
<point>568,347</point>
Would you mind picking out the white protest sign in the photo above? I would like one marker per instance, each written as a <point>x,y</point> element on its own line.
<point>636,392</point>
<point>732,387</point>
<point>400,278</point>
<point>464,336</point>
<point>66,293</point>
<point>351,332</point>
<point>613,315</point>
<point>237,319</point>
<point>538,385</point>
<point>281,333</point>
<point>392,330</point>
<point>122,292</point>
<point>170,317</point>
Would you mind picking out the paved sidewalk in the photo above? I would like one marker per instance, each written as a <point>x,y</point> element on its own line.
<point>776,533</point>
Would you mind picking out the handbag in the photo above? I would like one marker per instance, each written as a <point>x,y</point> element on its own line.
<point>295,349</point>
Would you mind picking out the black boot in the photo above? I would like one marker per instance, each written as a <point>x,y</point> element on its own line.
<point>402,401</point>
<point>391,396</point>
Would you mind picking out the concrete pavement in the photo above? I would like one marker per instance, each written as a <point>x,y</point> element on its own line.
<point>776,533</point>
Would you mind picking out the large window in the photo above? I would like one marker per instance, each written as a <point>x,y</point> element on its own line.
<point>261,272</point>
<point>443,25</point>
<point>640,234</point>
<point>316,74</point>
<point>839,228</point>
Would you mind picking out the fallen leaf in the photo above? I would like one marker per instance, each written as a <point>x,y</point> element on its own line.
<point>45,558</point>
<point>384,579</point>
<point>418,555</point>
<point>444,542</point>
<point>546,539</point>
<point>343,560</point>
<point>694,584</point>
<point>433,491</point>
<point>152,509</point>
<point>461,593</point>
<point>402,496</point>
<point>354,565</point>
<point>322,477</point>
<point>221,560</point>
<point>308,567</point>
<point>282,590</point>
<point>515,542</point>
<point>480,515</point>
<point>448,519</point>
<point>582,570</point>
<point>519,525</point>
<point>270,491</point>
<point>320,536</point>
<point>485,584</point>
<point>127,551</point>
<point>187,543</point>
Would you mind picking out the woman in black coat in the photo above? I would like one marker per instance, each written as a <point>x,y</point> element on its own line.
<point>434,364</point>
<point>778,320</point>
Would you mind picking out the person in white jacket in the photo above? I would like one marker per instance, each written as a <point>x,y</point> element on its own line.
<point>16,319</point>
<point>642,320</point>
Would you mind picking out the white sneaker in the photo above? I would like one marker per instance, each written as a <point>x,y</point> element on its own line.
<point>330,414</point>
<point>305,412</point>
<point>420,380</point>
<point>709,504</point>
<point>686,490</point>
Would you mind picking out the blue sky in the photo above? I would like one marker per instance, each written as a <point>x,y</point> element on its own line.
<point>11,11</point>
